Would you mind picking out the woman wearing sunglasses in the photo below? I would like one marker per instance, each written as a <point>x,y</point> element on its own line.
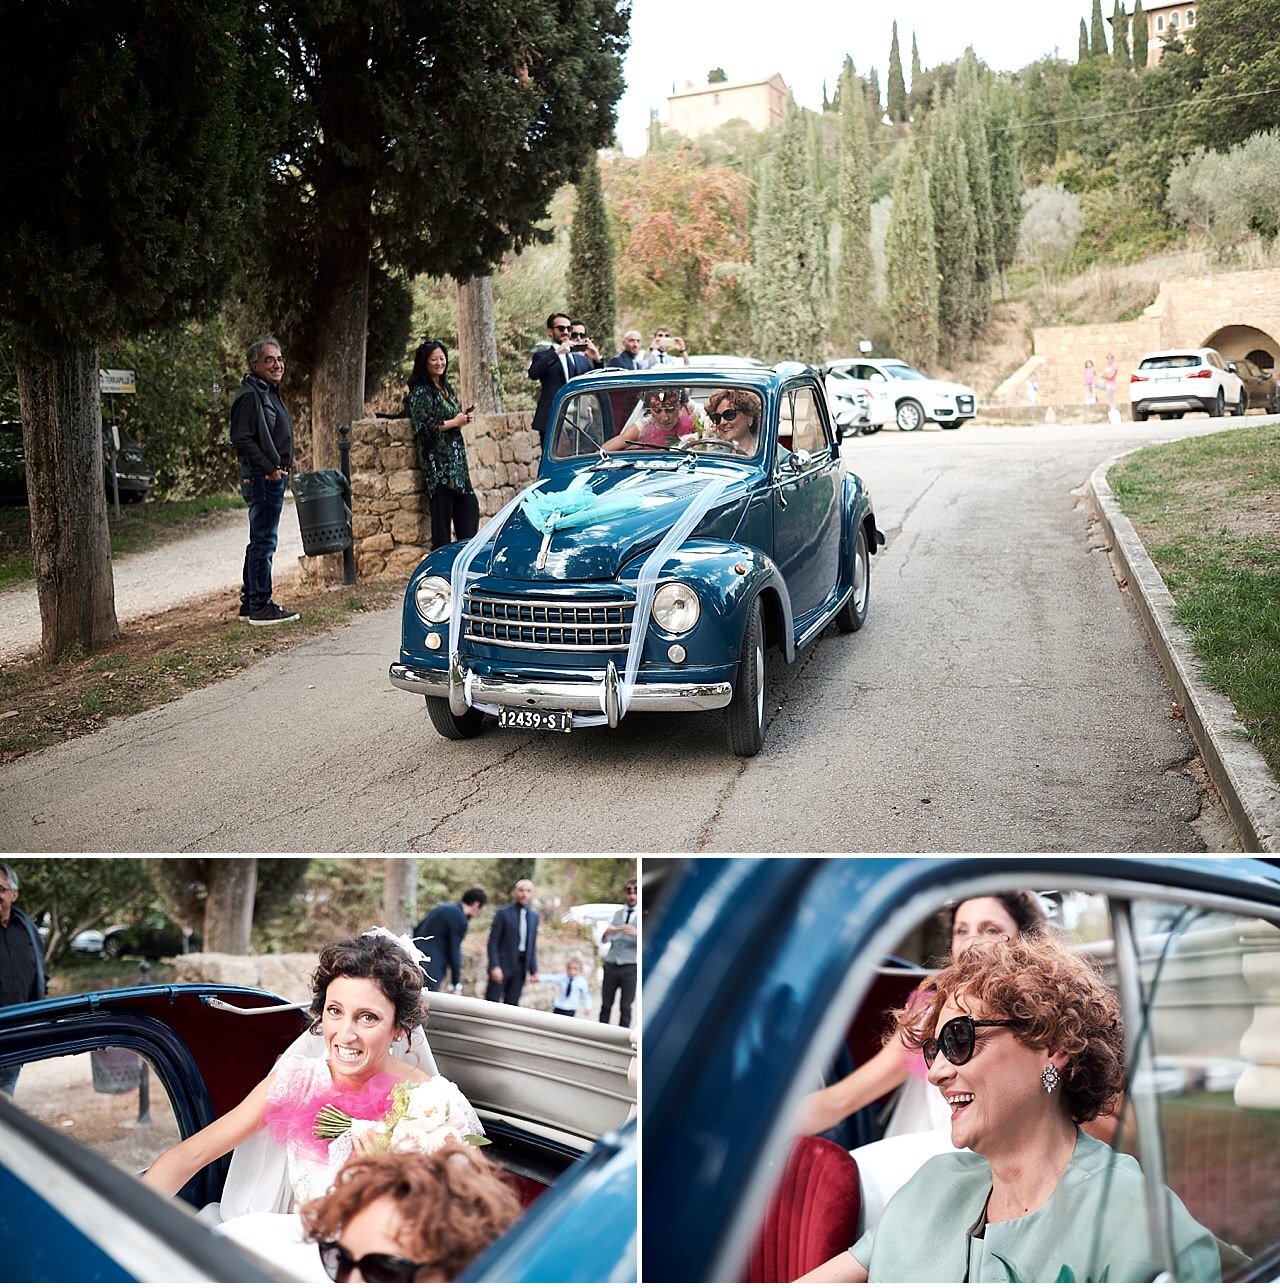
<point>1024,1041</point>
<point>735,416</point>
<point>668,416</point>
<point>410,1218</point>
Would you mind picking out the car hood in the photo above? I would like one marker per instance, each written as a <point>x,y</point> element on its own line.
<point>630,512</point>
<point>936,387</point>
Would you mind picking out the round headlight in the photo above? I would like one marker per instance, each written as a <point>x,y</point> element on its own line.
<point>433,598</point>
<point>676,608</point>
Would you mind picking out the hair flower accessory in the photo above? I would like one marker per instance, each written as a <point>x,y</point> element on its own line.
<point>403,942</point>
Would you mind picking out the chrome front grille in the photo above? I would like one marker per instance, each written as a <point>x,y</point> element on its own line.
<point>578,626</point>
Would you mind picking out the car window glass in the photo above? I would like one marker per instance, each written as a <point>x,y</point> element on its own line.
<point>1212,979</point>
<point>109,1100</point>
<point>806,418</point>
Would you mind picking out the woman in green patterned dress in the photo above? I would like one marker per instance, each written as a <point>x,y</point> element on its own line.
<point>438,419</point>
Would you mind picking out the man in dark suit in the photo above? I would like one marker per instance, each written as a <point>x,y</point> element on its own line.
<point>445,925</point>
<point>513,947</point>
<point>555,365</point>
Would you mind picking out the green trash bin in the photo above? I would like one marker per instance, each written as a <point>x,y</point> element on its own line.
<point>324,512</point>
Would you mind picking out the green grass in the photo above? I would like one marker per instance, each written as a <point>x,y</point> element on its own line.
<point>1208,511</point>
<point>140,527</point>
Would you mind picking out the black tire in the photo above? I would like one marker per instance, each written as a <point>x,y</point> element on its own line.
<point>447,725</point>
<point>853,613</point>
<point>1242,407</point>
<point>872,429</point>
<point>1140,413</point>
<point>1273,402</point>
<point>111,946</point>
<point>909,416</point>
<point>745,716</point>
<point>948,424</point>
<point>1219,405</point>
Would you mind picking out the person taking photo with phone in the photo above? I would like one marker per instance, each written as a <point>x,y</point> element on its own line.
<point>438,418</point>
<point>581,342</point>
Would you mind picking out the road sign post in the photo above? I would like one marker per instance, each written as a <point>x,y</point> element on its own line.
<point>112,381</point>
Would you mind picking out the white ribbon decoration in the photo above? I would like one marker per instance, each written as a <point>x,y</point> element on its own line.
<point>646,587</point>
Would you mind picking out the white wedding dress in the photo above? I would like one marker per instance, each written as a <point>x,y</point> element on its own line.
<point>267,1180</point>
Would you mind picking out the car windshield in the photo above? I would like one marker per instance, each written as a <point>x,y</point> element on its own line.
<point>900,371</point>
<point>720,419</point>
<point>1171,360</point>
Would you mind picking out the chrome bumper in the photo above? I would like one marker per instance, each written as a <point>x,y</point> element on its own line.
<point>562,695</point>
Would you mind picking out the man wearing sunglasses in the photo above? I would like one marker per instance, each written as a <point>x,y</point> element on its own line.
<point>555,364</point>
<point>262,435</point>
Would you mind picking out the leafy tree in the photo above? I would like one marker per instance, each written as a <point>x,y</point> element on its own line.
<point>875,111</point>
<point>789,280</point>
<point>1006,177</point>
<point>971,125</point>
<point>134,133</point>
<point>855,274</point>
<point>1097,32</point>
<point>917,71</point>
<point>1120,34</point>
<point>1236,97</point>
<point>1051,222</point>
<point>1084,41</point>
<point>716,76</point>
<point>1227,195</point>
<point>895,90</point>
<point>593,296</point>
<point>955,231</point>
<point>681,228</point>
<point>911,267</point>
<point>1139,36</point>
<point>81,894</point>
<point>427,139</point>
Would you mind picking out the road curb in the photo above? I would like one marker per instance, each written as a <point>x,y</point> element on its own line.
<point>1249,792</point>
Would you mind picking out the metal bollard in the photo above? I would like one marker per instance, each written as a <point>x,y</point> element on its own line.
<point>344,463</point>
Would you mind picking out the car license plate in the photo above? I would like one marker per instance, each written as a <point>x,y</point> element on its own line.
<point>543,721</point>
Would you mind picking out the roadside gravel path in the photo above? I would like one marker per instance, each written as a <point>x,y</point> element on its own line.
<point>151,581</point>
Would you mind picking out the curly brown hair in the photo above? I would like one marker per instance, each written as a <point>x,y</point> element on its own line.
<point>1023,906</point>
<point>1064,1004</point>
<point>454,1203</point>
<point>375,958</point>
<point>743,399</point>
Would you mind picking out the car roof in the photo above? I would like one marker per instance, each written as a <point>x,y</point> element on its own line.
<point>762,378</point>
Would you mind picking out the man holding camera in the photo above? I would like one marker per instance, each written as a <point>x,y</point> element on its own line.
<point>666,349</point>
<point>555,364</point>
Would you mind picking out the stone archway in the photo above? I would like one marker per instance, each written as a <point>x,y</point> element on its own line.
<point>1235,341</point>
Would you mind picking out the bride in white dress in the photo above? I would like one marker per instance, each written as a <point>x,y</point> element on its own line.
<point>368,1006</point>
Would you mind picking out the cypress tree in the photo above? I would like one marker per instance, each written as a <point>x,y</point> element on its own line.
<point>895,90</point>
<point>855,275</point>
<point>593,296</point>
<point>955,231</point>
<point>1097,32</point>
<point>1084,42</point>
<point>1006,177</point>
<point>971,124</point>
<point>911,266</point>
<point>789,300</point>
<point>875,112</point>
<point>1120,34</point>
<point>1139,36</point>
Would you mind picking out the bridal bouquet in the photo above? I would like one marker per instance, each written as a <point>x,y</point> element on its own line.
<point>423,1117</point>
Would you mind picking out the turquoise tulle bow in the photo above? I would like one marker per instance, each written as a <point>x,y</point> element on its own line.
<point>579,507</point>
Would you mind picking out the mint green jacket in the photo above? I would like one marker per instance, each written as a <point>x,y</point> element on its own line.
<point>1093,1228</point>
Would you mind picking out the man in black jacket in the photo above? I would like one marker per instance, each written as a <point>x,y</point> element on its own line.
<point>445,925</point>
<point>21,960</point>
<point>513,947</point>
<point>262,434</point>
<point>554,365</point>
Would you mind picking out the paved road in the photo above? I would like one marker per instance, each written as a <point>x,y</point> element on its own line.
<point>1003,696</point>
<point>153,580</point>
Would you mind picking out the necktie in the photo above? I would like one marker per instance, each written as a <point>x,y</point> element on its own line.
<point>629,912</point>
<point>567,1004</point>
<point>566,361</point>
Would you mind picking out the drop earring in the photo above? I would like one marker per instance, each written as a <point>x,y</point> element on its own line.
<point>1050,1078</point>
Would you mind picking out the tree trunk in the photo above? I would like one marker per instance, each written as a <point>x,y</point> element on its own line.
<point>342,324</point>
<point>228,910</point>
<point>70,542</point>
<point>400,894</point>
<point>478,347</point>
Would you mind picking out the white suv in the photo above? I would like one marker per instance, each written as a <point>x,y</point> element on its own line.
<point>906,397</point>
<point>1175,381</point>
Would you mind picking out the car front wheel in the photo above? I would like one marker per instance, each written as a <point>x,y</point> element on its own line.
<point>853,613</point>
<point>447,725</point>
<point>111,946</point>
<point>744,717</point>
<point>910,415</point>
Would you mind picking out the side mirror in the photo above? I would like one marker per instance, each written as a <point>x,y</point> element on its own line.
<point>1231,366</point>
<point>799,461</point>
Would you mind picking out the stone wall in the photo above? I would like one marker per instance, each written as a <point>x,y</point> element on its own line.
<point>1234,313</point>
<point>391,513</point>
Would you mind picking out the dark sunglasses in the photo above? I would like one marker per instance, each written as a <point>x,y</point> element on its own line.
<point>559,326</point>
<point>374,1267</point>
<point>957,1038</point>
<point>715,417</point>
<point>578,335</point>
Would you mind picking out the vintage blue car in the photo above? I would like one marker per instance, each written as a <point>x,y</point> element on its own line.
<point>110,1079</point>
<point>679,529</point>
<point>763,975</point>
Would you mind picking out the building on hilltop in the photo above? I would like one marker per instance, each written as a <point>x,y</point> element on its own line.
<point>1165,22</point>
<point>695,111</point>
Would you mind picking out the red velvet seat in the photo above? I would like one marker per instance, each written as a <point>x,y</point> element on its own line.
<point>812,1215</point>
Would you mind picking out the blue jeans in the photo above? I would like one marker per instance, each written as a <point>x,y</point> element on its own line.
<point>265,501</point>
<point>9,1077</point>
